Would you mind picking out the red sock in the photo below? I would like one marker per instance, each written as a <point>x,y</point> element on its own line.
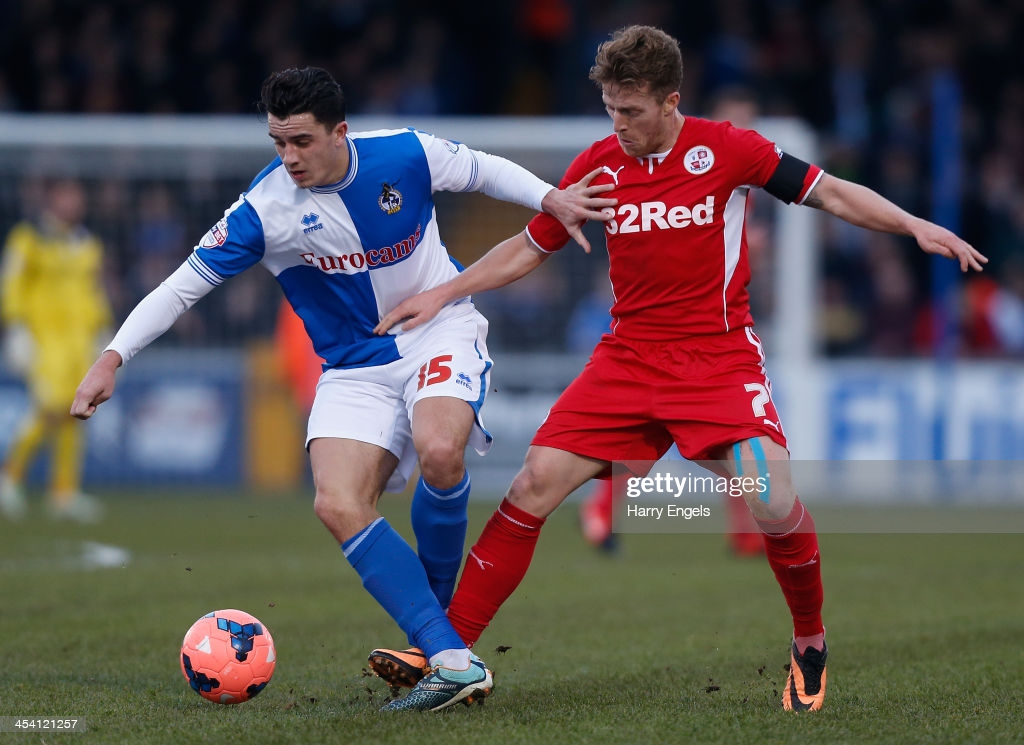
<point>602,498</point>
<point>494,568</point>
<point>597,513</point>
<point>791,545</point>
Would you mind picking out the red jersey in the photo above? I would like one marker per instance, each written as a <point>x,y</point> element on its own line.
<point>677,245</point>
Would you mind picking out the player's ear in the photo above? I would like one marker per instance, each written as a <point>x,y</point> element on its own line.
<point>671,102</point>
<point>339,132</point>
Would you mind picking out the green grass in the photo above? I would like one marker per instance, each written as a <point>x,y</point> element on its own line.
<point>672,641</point>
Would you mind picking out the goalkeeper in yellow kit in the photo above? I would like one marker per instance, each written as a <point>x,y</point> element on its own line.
<point>54,310</point>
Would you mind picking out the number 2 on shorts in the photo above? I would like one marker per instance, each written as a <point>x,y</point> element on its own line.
<point>759,403</point>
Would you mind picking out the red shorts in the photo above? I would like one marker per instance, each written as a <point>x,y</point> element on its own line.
<point>634,399</point>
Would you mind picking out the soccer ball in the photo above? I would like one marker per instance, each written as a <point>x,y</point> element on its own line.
<point>228,656</point>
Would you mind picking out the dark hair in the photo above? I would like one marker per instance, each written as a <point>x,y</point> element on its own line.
<point>639,56</point>
<point>301,90</point>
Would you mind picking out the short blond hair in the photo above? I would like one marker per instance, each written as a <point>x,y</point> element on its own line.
<point>638,57</point>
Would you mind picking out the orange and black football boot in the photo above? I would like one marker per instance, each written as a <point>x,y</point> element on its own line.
<point>805,688</point>
<point>399,668</point>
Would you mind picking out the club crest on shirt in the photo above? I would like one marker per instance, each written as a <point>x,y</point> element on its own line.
<point>216,235</point>
<point>699,159</point>
<point>390,199</point>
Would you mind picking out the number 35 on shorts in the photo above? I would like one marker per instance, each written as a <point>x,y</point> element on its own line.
<point>437,370</point>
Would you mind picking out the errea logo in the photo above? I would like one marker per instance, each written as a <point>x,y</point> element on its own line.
<point>647,216</point>
<point>311,222</point>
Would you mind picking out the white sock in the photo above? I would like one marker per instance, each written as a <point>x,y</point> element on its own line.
<point>453,659</point>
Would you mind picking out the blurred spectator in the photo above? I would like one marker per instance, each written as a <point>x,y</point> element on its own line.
<point>160,239</point>
<point>848,29</point>
<point>1008,308</point>
<point>993,313</point>
<point>996,211</point>
<point>732,55</point>
<point>892,309</point>
<point>545,29</point>
<point>841,324</point>
<point>159,243</point>
<point>55,314</point>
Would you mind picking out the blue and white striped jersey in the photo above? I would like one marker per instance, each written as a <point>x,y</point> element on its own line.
<point>345,254</point>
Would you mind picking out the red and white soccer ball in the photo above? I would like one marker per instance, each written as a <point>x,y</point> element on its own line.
<point>228,656</point>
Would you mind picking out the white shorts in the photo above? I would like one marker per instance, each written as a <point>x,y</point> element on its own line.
<point>446,357</point>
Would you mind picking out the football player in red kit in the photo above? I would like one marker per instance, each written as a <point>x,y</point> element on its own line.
<point>681,363</point>
<point>737,105</point>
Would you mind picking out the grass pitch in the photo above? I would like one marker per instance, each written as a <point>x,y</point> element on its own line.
<point>670,641</point>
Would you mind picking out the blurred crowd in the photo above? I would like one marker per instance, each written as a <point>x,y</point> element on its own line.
<point>864,73</point>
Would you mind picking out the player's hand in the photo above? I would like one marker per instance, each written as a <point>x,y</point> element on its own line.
<point>97,386</point>
<point>935,239</point>
<point>411,312</point>
<point>579,202</point>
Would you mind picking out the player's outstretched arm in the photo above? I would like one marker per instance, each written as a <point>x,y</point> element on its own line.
<point>505,263</point>
<point>865,208</point>
<point>97,386</point>
<point>579,202</point>
<point>154,314</point>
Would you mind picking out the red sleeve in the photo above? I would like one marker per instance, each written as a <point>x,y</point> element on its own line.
<point>782,175</point>
<point>546,231</point>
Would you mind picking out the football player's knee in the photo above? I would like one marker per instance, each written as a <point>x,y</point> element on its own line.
<point>442,464</point>
<point>527,492</point>
<point>331,509</point>
<point>778,508</point>
<point>322,507</point>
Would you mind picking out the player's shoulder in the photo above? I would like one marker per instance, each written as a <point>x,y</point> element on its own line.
<point>389,145</point>
<point>721,131</point>
<point>600,153</point>
<point>23,227</point>
<point>374,134</point>
<point>603,149</point>
<point>23,233</point>
<point>707,141</point>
